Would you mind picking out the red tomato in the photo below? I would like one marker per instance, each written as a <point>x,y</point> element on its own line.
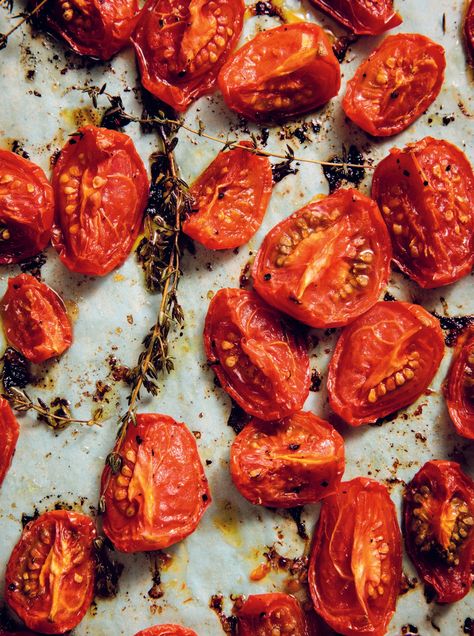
<point>160,493</point>
<point>439,528</point>
<point>426,193</point>
<point>230,199</point>
<point>101,188</point>
<point>35,319</point>
<point>270,614</point>
<point>362,17</point>
<point>26,208</point>
<point>9,432</point>
<point>356,560</point>
<point>289,463</point>
<point>396,84</point>
<point>166,630</point>
<point>459,389</point>
<point>182,44</point>
<point>469,31</point>
<point>257,360</point>
<point>49,581</point>
<point>281,73</point>
<point>384,361</point>
<point>328,262</point>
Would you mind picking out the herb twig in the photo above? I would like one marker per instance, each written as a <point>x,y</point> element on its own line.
<point>25,17</point>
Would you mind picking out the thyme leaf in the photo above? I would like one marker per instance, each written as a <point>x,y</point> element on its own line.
<point>25,17</point>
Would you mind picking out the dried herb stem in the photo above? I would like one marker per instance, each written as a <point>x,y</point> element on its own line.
<point>4,36</point>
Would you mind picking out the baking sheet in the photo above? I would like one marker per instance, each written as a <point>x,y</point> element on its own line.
<point>39,108</point>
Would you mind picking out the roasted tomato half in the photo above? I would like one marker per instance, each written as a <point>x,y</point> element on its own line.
<point>459,388</point>
<point>384,361</point>
<point>327,263</point>
<point>230,199</point>
<point>49,581</point>
<point>426,194</point>
<point>356,559</point>
<point>167,630</point>
<point>270,614</point>
<point>293,462</point>
<point>396,84</point>
<point>181,46</point>
<point>261,364</point>
<point>97,28</point>
<point>281,73</point>
<point>34,319</point>
<point>160,492</point>
<point>101,188</point>
<point>439,528</point>
<point>469,31</point>
<point>362,17</point>
<point>9,432</point>
<point>26,208</point>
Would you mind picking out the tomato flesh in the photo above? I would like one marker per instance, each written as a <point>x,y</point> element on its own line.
<point>469,31</point>
<point>459,388</point>
<point>166,630</point>
<point>362,17</point>
<point>270,614</point>
<point>9,432</point>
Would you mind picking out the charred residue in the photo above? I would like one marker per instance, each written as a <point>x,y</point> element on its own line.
<point>336,175</point>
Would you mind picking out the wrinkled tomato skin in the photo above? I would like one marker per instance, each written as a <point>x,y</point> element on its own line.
<point>230,199</point>
<point>26,208</point>
<point>396,84</point>
<point>383,361</point>
<point>167,630</point>
<point>293,462</point>
<point>9,432</point>
<point>469,32</point>
<point>258,361</point>
<point>426,194</point>
<point>263,614</point>
<point>181,45</point>
<point>34,319</point>
<point>444,481</point>
<point>101,189</point>
<point>281,73</point>
<point>160,493</point>
<point>327,263</point>
<point>459,388</point>
<point>61,542</point>
<point>356,548</point>
<point>362,17</point>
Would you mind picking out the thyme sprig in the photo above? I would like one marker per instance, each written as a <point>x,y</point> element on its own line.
<point>8,4</point>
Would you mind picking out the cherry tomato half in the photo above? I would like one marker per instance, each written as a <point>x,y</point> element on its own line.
<point>26,208</point>
<point>166,630</point>
<point>362,17</point>
<point>426,194</point>
<point>459,389</point>
<point>356,560</point>
<point>101,188</point>
<point>230,199</point>
<point>258,361</point>
<point>396,84</point>
<point>270,614</point>
<point>384,361</point>
<point>49,581</point>
<point>35,319</point>
<point>293,462</point>
<point>181,46</point>
<point>327,263</point>
<point>439,528</point>
<point>469,31</point>
<point>160,493</point>
<point>9,432</point>
<point>281,73</point>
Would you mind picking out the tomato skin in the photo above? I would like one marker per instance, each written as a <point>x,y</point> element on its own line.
<point>282,72</point>
<point>385,95</point>
<point>442,482</point>
<point>228,216</point>
<point>293,462</point>
<point>101,189</point>
<point>459,386</point>
<point>166,630</point>
<point>35,319</point>
<point>181,46</point>
<point>26,208</point>
<point>263,614</point>
<point>9,432</point>
<point>419,190</point>
<point>394,344</point>
<point>257,360</point>
<point>356,543</point>
<point>362,17</point>
<point>57,601</point>
<point>468,28</point>
<point>302,265</point>
<point>160,460</point>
